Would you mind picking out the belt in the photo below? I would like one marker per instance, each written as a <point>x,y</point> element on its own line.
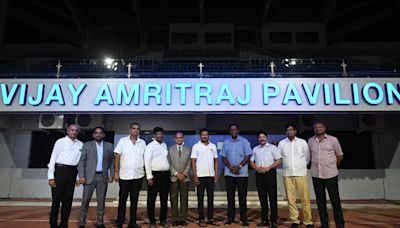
<point>66,166</point>
<point>160,171</point>
<point>270,171</point>
<point>99,172</point>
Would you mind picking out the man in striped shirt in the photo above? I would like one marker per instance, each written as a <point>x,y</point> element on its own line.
<point>326,155</point>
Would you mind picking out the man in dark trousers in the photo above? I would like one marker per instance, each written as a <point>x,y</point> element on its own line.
<point>96,170</point>
<point>179,162</point>
<point>205,174</point>
<point>129,172</point>
<point>158,177</point>
<point>326,155</point>
<point>62,173</point>
<point>266,157</point>
<point>236,153</point>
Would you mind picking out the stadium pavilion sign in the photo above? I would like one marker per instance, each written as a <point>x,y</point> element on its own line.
<point>200,95</point>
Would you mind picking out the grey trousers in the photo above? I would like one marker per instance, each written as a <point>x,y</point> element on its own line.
<point>181,189</point>
<point>88,189</point>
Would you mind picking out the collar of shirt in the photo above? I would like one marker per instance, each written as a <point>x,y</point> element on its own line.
<point>71,140</point>
<point>325,136</point>
<point>288,140</point>
<point>239,138</point>
<point>138,140</point>
<point>97,144</point>
<point>157,143</point>
<point>201,143</point>
<point>262,146</point>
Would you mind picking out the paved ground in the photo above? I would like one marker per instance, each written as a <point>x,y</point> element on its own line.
<point>24,214</point>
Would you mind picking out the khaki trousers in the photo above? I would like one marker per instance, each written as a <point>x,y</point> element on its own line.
<point>293,185</point>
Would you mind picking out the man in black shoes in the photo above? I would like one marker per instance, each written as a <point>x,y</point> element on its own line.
<point>179,162</point>
<point>96,170</point>
<point>129,172</point>
<point>236,153</point>
<point>205,172</point>
<point>158,177</point>
<point>62,173</point>
<point>266,157</point>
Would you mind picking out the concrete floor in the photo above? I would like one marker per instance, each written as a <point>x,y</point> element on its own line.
<point>29,214</point>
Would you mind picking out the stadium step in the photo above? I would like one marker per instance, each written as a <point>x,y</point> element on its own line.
<point>219,199</point>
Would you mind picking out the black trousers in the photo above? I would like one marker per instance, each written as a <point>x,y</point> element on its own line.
<point>241,184</point>
<point>267,190</point>
<point>206,183</point>
<point>331,185</point>
<point>162,182</point>
<point>63,193</point>
<point>131,188</point>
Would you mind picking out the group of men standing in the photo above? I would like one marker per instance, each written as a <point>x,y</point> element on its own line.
<point>167,171</point>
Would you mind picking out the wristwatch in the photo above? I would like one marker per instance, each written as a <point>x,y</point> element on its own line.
<point>240,166</point>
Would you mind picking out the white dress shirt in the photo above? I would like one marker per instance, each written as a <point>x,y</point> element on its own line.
<point>132,158</point>
<point>204,158</point>
<point>156,158</point>
<point>265,155</point>
<point>295,156</point>
<point>65,152</point>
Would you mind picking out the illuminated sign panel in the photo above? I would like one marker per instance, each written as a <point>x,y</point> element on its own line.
<point>200,95</point>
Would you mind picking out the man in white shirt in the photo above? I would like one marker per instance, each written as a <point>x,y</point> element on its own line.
<point>265,159</point>
<point>158,177</point>
<point>62,175</point>
<point>295,157</point>
<point>205,172</point>
<point>129,172</point>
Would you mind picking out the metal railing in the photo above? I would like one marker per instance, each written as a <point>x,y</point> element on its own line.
<point>151,67</point>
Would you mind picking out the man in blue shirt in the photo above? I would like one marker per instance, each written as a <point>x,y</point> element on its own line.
<point>236,153</point>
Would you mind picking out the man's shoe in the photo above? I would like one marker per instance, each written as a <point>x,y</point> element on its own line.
<point>81,226</point>
<point>294,225</point>
<point>310,226</point>
<point>183,223</point>
<point>245,224</point>
<point>229,222</point>
<point>202,223</point>
<point>163,224</point>
<point>274,225</point>
<point>175,223</point>
<point>101,226</point>
<point>263,223</point>
<point>133,225</point>
<point>212,222</point>
<point>152,225</point>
